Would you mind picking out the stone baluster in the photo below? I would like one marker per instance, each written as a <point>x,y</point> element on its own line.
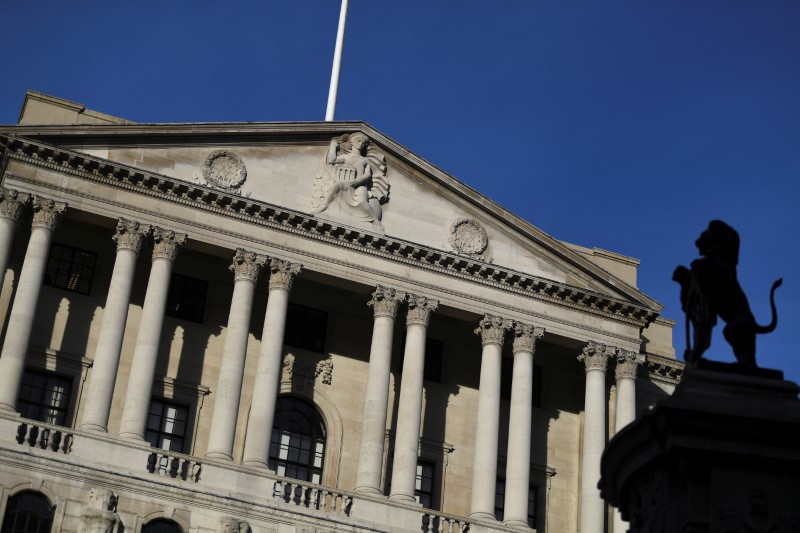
<point>625,407</point>
<point>492,330</point>
<point>519,429</point>
<point>370,458</point>
<point>409,407</point>
<point>97,405</point>
<point>265,394</point>
<point>12,204</point>
<point>593,515</point>
<point>246,267</point>
<point>133,422</point>
<point>46,216</point>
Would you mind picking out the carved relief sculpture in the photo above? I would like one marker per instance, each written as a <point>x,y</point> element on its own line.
<point>224,170</point>
<point>229,524</point>
<point>352,183</point>
<point>467,237</point>
<point>99,515</point>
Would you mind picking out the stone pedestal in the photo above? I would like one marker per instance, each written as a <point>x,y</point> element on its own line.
<point>721,455</point>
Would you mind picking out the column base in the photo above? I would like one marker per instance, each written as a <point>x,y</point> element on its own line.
<point>402,498</point>
<point>483,516</point>
<point>515,522</point>
<point>131,436</point>
<point>94,427</point>
<point>219,456</point>
<point>10,409</point>
<point>258,465</point>
<point>370,491</point>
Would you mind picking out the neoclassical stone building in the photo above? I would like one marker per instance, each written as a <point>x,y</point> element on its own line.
<point>297,327</point>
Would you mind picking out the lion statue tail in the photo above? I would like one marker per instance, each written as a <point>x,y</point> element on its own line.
<point>769,328</point>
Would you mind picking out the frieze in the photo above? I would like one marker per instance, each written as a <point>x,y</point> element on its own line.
<point>492,329</point>
<point>12,203</point>
<point>595,356</point>
<point>525,337</point>
<point>198,196</point>
<point>420,309</point>
<point>247,265</point>
<point>386,300</point>
<point>130,235</point>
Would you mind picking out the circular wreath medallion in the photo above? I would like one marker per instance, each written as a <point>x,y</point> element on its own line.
<point>224,169</point>
<point>468,237</point>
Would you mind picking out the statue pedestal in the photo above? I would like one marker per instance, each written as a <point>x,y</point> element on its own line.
<point>721,455</point>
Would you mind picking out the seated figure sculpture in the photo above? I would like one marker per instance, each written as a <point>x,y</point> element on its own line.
<point>352,183</point>
<point>710,289</point>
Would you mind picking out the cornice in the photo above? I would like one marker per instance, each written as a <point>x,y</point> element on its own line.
<point>169,189</point>
<point>664,369</point>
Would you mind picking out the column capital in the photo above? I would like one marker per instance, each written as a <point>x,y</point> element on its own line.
<point>492,329</point>
<point>247,265</point>
<point>47,213</point>
<point>130,235</point>
<point>12,203</point>
<point>419,309</point>
<point>525,337</point>
<point>166,244</point>
<point>386,300</point>
<point>282,273</point>
<point>595,356</point>
<point>627,364</point>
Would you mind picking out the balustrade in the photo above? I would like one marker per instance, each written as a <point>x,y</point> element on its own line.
<point>175,466</point>
<point>46,437</point>
<point>443,523</point>
<point>314,497</point>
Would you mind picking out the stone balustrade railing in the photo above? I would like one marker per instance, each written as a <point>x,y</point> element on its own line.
<point>174,465</point>
<point>437,522</point>
<point>45,437</point>
<point>314,497</point>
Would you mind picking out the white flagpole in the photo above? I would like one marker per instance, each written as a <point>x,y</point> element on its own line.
<point>337,63</point>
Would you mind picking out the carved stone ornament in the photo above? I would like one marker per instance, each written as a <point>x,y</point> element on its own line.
<point>467,237</point>
<point>224,170</point>
<point>303,376</point>
<point>525,337</point>
<point>419,309</point>
<point>627,364</point>
<point>166,244</point>
<point>130,235</point>
<point>324,369</point>
<point>99,515</point>
<point>648,503</point>
<point>12,203</point>
<point>595,356</point>
<point>386,300</point>
<point>247,265</point>
<point>47,213</point>
<point>229,524</point>
<point>282,273</point>
<point>492,329</point>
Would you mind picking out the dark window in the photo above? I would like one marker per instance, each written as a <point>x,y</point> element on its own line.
<point>297,448</point>
<point>499,502</point>
<point>187,298</point>
<point>28,512</point>
<point>166,425</point>
<point>45,397</point>
<point>423,488</point>
<point>70,268</point>
<point>162,525</point>
<point>433,360</point>
<point>305,328</point>
<point>506,375</point>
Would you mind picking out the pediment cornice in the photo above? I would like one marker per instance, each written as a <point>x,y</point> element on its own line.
<point>45,156</point>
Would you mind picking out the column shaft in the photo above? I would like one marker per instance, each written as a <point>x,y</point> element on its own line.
<point>231,372</point>
<point>11,205</point>
<point>370,457</point>
<point>625,407</point>
<point>100,390</point>
<point>23,311</point>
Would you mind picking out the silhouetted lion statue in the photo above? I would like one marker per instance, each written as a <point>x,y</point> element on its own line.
<point>710,289</point>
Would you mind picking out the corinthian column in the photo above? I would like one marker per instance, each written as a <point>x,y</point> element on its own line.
<point>12,204</point>
<point>129,238</point>
<point>46,216</point>
<point>166,244</point>
<point>265,394</point>
<point>625,407</point>
<point>370,458</point>
<point>409,408</point>
<point>492,330</point>
<point>518,465</point>
<point>595,356</point>
<point>246,267</point>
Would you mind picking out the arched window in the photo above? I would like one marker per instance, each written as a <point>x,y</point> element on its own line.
<point>162,525</point>
<point>28,512</point>
<point>298,440</point>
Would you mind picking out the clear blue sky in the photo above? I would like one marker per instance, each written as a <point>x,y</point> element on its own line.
<point>624,125</point>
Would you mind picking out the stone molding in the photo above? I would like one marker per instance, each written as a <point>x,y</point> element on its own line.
<point>166,244</point>
<point>596,355</point>
<point>386,300</point>
<point>525,337</point>
<point>664,369</point>
<point>174,190</point>
<point>12,204</point>
<point>47,213</point>
<point>492,329</point>
<point>627,364</point>
<point>282,273</point>
<point>130,235</point>
<point>247,265</point>
<point>419,309</point>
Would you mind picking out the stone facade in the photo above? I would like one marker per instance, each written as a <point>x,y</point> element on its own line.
<point>175,294</point>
